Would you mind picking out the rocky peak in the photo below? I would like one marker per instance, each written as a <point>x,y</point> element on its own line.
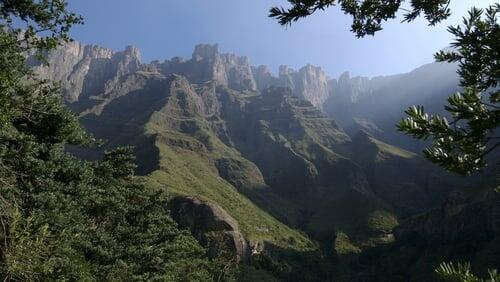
<point>350,89</point>
<point>285,70</point>
<point>347,91</point>
<point>94,51</point>
<point>87,70</point>
<point>207,64</point>
<point>263,77</point>
<point>309,83</point>
<point>344,78</point>
<point>238,72</point>
<point>205,52</point>
<point>314,86</point>
<point>133,52</point>
<point>127,61</point>
<point>233,59</point>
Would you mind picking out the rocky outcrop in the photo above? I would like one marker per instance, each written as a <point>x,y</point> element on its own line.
<point>205,220</point>
<point>86,70</point>
<point>264,78</point>
<point>207,64</point>
<point>309,83</point>
<point>346,93</point>
<point>89,72</point>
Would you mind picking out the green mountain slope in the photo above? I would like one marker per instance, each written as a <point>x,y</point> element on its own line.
<point>272,167</point>
<point>166,120</point>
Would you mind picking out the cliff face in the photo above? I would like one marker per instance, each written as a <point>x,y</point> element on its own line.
<point>86,70</point>
<point>207,64</point>
<point>264,78</point>
<point>91,70</point>
<point>309,83</point>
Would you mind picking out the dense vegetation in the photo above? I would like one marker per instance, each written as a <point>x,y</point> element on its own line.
<point>63,218</point>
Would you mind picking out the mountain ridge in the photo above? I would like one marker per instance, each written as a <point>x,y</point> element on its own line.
<point>211,131</point>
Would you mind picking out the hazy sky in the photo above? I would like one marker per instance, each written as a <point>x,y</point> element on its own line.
<point>166,28</point>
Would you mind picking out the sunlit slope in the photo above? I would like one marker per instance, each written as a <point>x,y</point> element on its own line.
<point>166,120</point>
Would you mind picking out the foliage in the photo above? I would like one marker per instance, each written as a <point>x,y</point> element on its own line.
<point>382,221</point>
<point>224,258</point>
<point>460,145</point>
<point>63,218</point>
<point>343,244</point>
<point>367,15</point>
<point>86,222</point>
<point>462,273</point>
<point>27,26</point>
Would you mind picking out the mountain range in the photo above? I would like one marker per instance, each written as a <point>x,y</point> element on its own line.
<point>305,176</point>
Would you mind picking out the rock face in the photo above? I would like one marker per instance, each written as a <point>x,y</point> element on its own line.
<point>207,64</point>
<point>86,70</point>
<point>264,78</point>
<point>309,83</point>
<point>203,218</point>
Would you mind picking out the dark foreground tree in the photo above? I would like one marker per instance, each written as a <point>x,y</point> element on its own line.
<point>367,15</point>
<point>61,218</point>
<point>450,272</point>
<point>460,143</point>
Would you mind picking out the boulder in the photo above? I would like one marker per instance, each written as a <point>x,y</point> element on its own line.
<point>205,219</point>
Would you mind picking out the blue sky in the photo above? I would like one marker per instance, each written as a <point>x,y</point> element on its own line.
<point>166,28</point>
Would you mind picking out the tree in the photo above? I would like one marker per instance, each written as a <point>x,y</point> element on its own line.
<point>62,218</point>
<point>461,144</point>
<point>367,15</point>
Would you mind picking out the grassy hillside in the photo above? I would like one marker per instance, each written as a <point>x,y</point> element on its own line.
<point>172,130</point>
<point>189,173</point>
